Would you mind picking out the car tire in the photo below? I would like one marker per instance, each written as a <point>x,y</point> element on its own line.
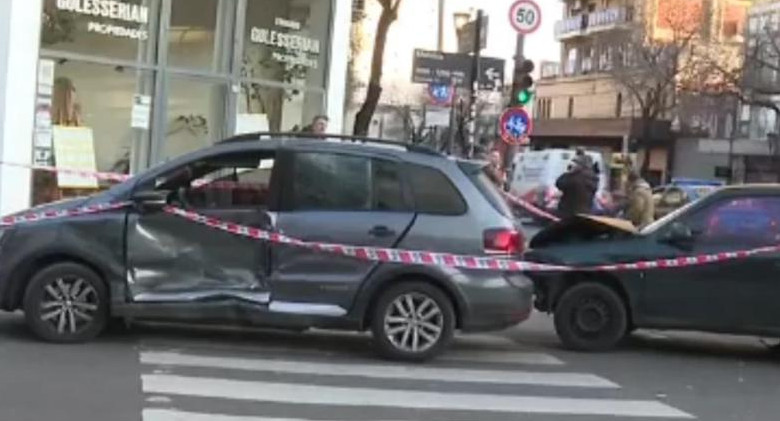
<point>590,317</point>
<point>417,335</point>
<point>66,303</point>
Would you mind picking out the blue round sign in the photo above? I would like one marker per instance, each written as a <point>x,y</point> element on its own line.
<point>440,93</point>
<point>516,126</point>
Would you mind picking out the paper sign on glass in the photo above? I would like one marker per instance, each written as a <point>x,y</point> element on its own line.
<point>74,148</point>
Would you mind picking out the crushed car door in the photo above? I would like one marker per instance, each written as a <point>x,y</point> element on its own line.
<point>170,259</point>
<point>335,198</point>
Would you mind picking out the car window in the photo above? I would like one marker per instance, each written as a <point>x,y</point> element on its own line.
<point>387,186</point>
<point>434,193</point>
<point>223,182</point>
<point>753,222</point>
<point>324,181</point>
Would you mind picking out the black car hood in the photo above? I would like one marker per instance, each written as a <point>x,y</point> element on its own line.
<point>582,228</point>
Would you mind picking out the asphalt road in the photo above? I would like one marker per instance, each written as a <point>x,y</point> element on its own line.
<point>166,373</point>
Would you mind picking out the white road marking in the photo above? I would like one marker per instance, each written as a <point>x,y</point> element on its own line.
<point>398,372</point>
<point>174,415</point>
<point>508,357</point>
<point>358,397</point>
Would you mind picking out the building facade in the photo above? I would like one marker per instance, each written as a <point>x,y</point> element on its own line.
<point>119,85</point>
<point>579,101</point>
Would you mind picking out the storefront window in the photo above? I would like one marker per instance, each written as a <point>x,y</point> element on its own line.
<point>286,41</point>
<point>262,108</point>
<point>196,115</point>
<point>197,39</point>
<point>98,119</point>
<point>120,29</point>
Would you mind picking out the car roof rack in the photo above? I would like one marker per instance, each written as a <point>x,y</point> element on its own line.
<point>345,138</point>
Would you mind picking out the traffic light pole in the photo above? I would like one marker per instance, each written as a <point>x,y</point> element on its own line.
<point>511,150</point>
<point>474,85</point>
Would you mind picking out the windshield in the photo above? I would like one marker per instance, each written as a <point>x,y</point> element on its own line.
<point>653,227</point>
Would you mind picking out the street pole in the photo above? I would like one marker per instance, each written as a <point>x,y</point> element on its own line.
<point>440,42</point>
<point>453,119</point>
<point>732,136</point>
<point>474,85</point>
<point>511,150</point>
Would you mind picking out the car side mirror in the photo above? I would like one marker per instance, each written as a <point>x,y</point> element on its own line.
<point>678,234</point>
<point>150,199</point>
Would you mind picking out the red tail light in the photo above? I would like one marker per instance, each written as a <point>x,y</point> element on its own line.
<point>503,241</point>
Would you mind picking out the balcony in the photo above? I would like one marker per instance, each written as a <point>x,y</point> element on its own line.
<point>598,21</point>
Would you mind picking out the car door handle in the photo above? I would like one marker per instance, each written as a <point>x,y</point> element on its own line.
<point>381,231</point>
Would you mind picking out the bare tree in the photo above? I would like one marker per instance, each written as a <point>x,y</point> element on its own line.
<point>374,91</point>
<point>650,67</point>
<point>752,76</point>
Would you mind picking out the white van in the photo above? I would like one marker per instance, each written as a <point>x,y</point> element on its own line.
<point>535,173</point>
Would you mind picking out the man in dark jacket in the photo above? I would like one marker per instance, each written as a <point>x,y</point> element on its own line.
<point>578,187</point>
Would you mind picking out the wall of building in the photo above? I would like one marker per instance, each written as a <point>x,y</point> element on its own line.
<point>19,37</point>
<point>593,96</point>
<point>691,162</point>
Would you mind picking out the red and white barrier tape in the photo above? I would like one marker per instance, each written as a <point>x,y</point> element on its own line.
<point>468,262</point>
<point>48,215</point>
<point>388,255</point>
<point>105,176</point>
<point>375,254</point>
<point>116,177</point>
<point>529,207</point>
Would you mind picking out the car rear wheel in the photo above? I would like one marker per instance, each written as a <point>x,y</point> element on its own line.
<point>66,303</point>
<point>590,317</point>
<point>412,321</point>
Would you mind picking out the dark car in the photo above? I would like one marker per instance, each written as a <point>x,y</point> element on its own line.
<point>594,310</point>
<point>71,275</point>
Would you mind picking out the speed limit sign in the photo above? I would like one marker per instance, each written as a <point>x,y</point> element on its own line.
<point>525,16</point>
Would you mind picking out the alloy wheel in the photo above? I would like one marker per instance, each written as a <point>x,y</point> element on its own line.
<point>69,304</point>
<point>413,322</point>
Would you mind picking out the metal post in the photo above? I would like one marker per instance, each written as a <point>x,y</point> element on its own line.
<point>440,42</point>
<point>511,150</point>
<point>733,136</point>
<point>453,119</point>
<point>474,85</point>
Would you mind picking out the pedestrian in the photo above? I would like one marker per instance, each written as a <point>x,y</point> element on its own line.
<point>495,169</point>
<point>578,187</point>
<point>319,125</point>
<point>640,208</point>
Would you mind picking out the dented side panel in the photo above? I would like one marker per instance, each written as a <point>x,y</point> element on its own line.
<point>170,259</point>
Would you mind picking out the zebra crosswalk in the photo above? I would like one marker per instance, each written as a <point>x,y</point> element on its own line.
<point>467,384</point>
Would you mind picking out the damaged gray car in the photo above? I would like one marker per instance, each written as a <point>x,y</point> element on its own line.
<point>71,276</point>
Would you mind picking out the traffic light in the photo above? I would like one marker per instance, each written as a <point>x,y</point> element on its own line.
<point>521,88</point>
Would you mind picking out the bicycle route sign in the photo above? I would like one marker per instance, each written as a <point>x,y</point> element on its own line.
<point>516,126</point>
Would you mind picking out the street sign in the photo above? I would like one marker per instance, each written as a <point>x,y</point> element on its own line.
<point>491,74</point>
<point>441,94</point>
<point>433,67</point>
<point>466,36</point>
<point>525,16</point>
<point>440,68</point>
<point>516,126</point>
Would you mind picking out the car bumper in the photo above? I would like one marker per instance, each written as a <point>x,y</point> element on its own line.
<point>495,301</point>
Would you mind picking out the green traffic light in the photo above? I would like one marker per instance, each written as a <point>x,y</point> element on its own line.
<point>524,96</point>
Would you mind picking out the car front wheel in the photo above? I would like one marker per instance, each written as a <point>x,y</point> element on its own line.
<point>590,317</point>
<point>412,321</point>
<point>65,303</point>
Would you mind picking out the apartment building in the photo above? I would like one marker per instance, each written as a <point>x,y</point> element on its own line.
<point>579,103</point>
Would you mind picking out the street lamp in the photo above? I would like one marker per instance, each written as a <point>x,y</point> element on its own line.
<point>461,19</point>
